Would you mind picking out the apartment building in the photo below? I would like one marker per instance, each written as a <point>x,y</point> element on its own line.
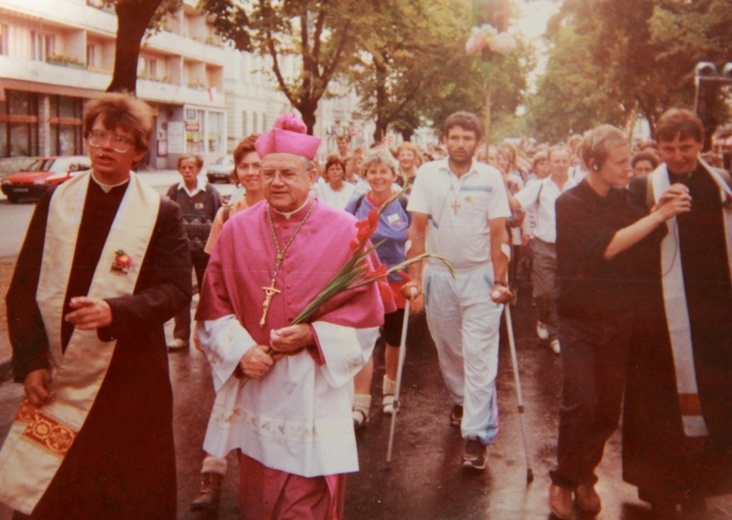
<point>57,54</point>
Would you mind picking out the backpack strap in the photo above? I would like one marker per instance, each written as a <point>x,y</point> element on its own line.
<point>359,201</point>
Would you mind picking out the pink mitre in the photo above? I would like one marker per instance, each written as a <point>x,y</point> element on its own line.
<point>289,135</point>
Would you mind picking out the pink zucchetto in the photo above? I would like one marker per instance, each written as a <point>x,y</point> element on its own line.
<point>289,135</point>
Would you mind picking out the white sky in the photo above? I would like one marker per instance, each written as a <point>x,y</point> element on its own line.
<point>531,22</point>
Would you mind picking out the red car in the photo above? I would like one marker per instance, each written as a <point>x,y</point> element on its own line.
<point>42,174</point>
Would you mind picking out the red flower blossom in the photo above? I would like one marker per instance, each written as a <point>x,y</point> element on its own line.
<point>380,272</point>
<point>122,259</point>
<point>367,226</point>
<point>353,246</point>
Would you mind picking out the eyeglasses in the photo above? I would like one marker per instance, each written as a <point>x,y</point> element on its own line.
<point>287,175</point>
<point>99,138</point>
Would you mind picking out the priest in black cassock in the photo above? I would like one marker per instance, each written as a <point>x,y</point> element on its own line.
<point>104,265</point>
<point>677,427</point>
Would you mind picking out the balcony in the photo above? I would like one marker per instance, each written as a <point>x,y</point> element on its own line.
<point>65,61</point>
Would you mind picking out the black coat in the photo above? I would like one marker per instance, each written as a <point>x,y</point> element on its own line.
<point>122,463</point>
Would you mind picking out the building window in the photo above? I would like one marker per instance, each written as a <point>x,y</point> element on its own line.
<point>244,125</point>
<point>215,132</point>
<point>148,68</point>
<point>4,40</point>
<point>91,55</point>
<point>42,46</point>
<point>66,125</point>
<point>194,131</point>
<point>255,128</point>
<point>19,124</point>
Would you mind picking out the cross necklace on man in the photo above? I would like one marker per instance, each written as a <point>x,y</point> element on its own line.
<point>272,290</point>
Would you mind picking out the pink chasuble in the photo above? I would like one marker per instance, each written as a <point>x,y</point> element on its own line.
<point>243,260</point>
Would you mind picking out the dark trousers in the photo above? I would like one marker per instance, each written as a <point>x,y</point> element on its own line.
<point>182,329</point>
<point>546,291</point>
<point>594,354</point>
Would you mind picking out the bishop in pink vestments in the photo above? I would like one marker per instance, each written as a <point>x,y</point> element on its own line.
<point>291,421</point>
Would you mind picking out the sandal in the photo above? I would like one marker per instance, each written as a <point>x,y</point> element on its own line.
<point>387,404</point>
<point>360,418</point>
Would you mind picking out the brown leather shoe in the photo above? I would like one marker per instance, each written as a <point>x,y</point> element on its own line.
<point>560,502</point>
<point>587,499</point>
<point>210,495</point>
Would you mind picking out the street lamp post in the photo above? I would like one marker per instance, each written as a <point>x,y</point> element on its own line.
<point>707,71</point>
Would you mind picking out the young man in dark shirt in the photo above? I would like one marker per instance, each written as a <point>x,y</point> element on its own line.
<point>596,233</point>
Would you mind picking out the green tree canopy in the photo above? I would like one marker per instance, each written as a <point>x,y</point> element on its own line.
<point>612,59</point>
<point>322,35</point>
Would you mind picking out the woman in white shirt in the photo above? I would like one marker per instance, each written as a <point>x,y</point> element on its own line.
<point>335,192</point>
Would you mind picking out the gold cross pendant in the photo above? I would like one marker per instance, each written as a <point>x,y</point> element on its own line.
<point>270,292</point>
<point>455,206</point>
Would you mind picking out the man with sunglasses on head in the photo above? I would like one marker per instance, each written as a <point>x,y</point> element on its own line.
<point>104,265</point>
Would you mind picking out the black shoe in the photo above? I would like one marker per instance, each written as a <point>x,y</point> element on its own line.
<point>456,416</point>
<point>475,454</point>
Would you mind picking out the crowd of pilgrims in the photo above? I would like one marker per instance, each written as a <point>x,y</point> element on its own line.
<point>624,253</point>
<point>357,180</point>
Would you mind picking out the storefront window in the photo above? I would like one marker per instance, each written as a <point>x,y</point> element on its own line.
<point>215,132</point>
<point>66,125</point>
<point>19,125</point>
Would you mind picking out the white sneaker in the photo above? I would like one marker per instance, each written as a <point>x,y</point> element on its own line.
<point>554,345</point>
<point>541,330</point>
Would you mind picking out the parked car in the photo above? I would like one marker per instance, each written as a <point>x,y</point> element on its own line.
<point>220,171</point>
<point>42,174</point>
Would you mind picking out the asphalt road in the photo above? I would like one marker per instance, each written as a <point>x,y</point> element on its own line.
<point>426,480</point>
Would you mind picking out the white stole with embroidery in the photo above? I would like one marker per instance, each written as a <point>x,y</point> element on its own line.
<point>40,437</point>
<point>674,297</point>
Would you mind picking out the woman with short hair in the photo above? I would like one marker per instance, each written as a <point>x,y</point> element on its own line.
<point>380,173</point>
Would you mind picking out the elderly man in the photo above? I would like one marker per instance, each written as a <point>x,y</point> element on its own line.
<point>104,265</point>
<point>677,427</point>
<point>541,196</point>
<point>198,203</point>
<point>291,419</point>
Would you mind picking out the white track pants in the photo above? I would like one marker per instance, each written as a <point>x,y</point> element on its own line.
<point>464,323</point>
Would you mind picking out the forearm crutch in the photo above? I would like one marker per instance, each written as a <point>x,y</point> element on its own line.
<point>397,390</point>
<point>517,379</point>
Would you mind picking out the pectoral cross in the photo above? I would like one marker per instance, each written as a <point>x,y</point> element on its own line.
<point>269,292</point>
<point>455,206</point>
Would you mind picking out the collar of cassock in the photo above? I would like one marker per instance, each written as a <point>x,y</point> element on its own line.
<point>298,213</point>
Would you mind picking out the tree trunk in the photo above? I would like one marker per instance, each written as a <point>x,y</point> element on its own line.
<point>487,114</point>
<point>308,115</point>
<point>407,134</point>
<point>133,18</point>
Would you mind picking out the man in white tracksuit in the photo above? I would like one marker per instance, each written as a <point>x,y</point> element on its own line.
<point>459,210</point>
